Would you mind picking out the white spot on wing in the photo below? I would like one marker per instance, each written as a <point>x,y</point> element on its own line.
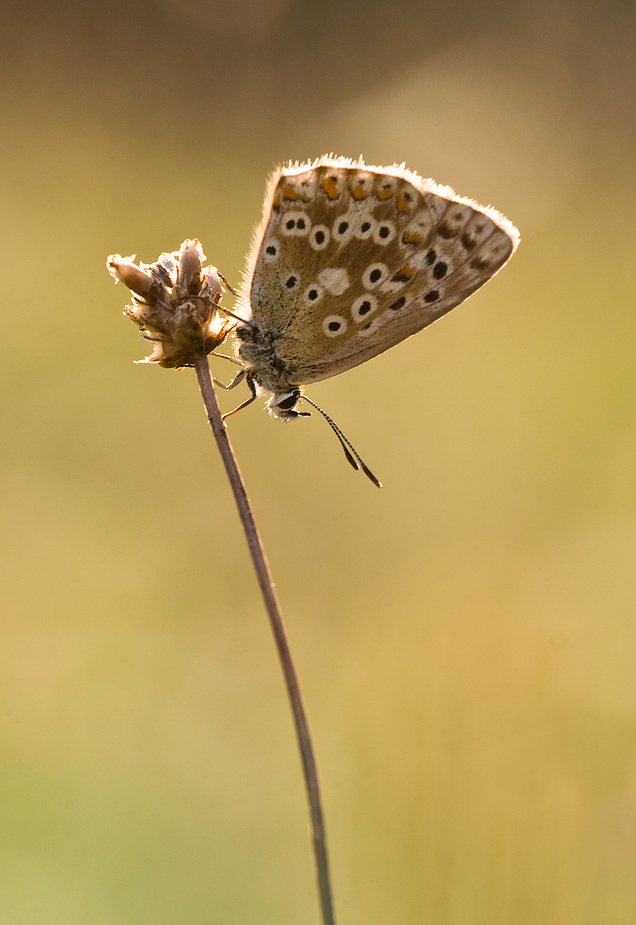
<point>334,325</point>
<point>295,223</point>
<point>335,280</point>
<point>319,237</point>
<point>363,306</point>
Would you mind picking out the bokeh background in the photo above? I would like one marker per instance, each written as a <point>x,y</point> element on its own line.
<point>467,636</point>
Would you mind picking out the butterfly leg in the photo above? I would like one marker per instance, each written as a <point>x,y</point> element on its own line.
<point>235,381</point>
<point>244,374</point>
<point>224,356</point>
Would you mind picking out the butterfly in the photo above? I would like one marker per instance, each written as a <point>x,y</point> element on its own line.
<point>348,261</point>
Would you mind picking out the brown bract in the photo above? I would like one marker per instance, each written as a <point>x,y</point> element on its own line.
<point>175,304</point>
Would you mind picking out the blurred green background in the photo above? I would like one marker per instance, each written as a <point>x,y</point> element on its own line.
<point>467,636</point>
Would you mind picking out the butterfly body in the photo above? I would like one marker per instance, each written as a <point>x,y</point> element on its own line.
<point>348,261</point>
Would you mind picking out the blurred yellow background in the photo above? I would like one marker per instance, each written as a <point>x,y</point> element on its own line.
<point>466,637</point>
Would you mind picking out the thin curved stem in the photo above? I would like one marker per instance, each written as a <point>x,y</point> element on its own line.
<point>274,613</point>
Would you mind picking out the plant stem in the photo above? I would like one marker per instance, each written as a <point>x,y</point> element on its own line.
<point>274,613</point>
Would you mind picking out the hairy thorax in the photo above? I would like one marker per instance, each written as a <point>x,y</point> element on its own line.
<point>257,349</point>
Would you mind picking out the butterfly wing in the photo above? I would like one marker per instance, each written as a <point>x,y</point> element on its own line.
<point>350,260</point>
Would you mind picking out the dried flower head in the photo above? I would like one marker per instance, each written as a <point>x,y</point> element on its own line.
<point>175,303</point>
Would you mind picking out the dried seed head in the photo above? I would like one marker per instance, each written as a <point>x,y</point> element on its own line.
<point>175,304</point>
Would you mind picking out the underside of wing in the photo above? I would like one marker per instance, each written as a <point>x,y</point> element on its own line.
<point>350,260</point>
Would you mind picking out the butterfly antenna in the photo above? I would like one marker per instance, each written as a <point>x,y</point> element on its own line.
<point>250,324</point>
<point>353,458</point>
<point>226,284</point>
<point>231,289</point>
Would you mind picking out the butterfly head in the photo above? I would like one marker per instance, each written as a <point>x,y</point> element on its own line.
<point>282,405</point>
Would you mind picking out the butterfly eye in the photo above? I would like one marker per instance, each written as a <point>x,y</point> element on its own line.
<point>283,405</point>
<point>287,401</point>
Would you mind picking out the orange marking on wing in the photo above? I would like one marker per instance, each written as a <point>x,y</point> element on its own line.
<point>403,204</point>
<point>384,192</point>
<point>359,192</point>
<point>412,237</point>
<point>406,273</point>
<point>290,193</point>
<point>330,188</point>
